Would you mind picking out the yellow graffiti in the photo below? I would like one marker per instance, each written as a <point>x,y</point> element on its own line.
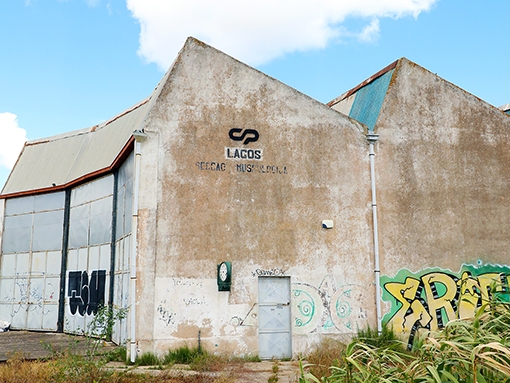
<point>405,293</point>
<point>469,296</point>
<point>432,300</point>
<point>438,303</point>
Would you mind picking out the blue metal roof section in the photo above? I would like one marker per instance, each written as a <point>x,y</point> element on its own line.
<point>369,99</point>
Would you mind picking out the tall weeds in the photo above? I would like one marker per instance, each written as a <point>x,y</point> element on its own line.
<point>472,350</point>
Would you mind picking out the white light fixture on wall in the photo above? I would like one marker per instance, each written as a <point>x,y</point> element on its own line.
<point>327,224</point>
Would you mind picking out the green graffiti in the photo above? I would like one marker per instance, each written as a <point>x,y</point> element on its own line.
<point>305,306</point>
<point>343,309</point>
<point>328,325</point>
<point>432,297</point>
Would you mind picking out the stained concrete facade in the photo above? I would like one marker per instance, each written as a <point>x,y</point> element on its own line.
<point>442,182</point>
<point>225,165</point>
<point>202,205</point>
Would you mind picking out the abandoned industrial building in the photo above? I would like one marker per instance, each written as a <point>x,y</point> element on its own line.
<point>230,206</point>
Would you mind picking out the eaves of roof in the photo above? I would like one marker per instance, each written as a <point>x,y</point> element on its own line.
<point>505,108</point>
<point>363,84</point>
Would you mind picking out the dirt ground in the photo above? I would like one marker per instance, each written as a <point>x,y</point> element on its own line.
<point>37,345</point>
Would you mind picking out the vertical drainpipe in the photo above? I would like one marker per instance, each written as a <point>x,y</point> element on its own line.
<point>139,136</point>
<point>372,139</point>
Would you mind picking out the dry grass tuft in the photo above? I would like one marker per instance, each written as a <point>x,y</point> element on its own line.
<point>18,370</point>
<point>326,354</point>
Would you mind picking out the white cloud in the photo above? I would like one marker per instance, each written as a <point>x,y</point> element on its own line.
<point>370,32</point>
<point>92,3</point>
<point>13,139</point>
<point>258,31</point>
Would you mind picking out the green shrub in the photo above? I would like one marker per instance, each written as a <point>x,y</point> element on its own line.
<point>386,339</point>
<point>148,359</point>
<point>118,354</point>
<point>181,355</point>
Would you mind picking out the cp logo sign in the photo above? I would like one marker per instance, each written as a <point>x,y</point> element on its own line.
<point>248,135</point>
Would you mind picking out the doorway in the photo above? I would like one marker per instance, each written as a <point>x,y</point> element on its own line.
<point>274,318</point>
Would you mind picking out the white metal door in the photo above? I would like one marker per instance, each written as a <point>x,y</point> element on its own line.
<point>87,282</point>
<point>274,318</point>
<point>29,285</point>
<point>88,254</point>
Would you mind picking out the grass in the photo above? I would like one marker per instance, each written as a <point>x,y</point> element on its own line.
<point>326,354</point>
<point>70,367</point>
<point>17,370</point>
<point>472,350</point>
<point>148,359</point>
<point>201,360</point>
<point>386,339</point>
<point>77,366</point>
<point>182,355</point>
<point>274,377</point>
<point>74,366</point>
<point>198,360</point>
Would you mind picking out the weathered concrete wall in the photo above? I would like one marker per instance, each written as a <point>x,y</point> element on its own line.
<point>200,206</point>
<point>443,181</point>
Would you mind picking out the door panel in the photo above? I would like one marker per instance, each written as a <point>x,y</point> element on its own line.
<point>274,318</point>
<point>29,285</point>
<point>87,284</point>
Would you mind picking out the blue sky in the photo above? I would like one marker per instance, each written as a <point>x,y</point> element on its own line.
<point>71,64</point>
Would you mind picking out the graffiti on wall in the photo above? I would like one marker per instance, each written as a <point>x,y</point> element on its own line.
<point>327,308</point>
<point>430,298</point>
<point>181,295</point>
<point>323,308</point>
<point>27,293</point>
<point>274,272</point>
<point>86,296</point>
<point>165,314</point>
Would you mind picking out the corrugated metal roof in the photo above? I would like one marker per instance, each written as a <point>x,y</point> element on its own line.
<point>363,84</point>
<point>369,100</point>
<point>55,162</point>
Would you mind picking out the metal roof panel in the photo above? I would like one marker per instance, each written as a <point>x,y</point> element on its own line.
<point>62,159</point>
<point>505,108</point>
